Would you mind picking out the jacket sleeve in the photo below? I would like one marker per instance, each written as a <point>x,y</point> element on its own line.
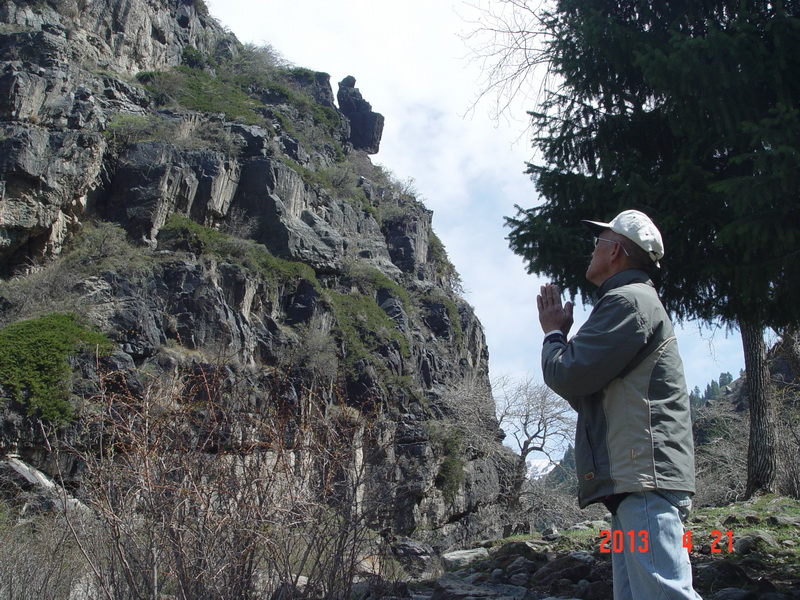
<point>608,341</point>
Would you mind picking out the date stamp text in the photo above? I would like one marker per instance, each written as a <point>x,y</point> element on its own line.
<point>638,541</point>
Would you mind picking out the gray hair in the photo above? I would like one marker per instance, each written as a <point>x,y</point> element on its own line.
<point>637,257</point>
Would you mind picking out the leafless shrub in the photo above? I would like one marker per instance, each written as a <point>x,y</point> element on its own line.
<point>39,559</point>
<point>213,135</point>
<point>316,349</point>
<point>96,248</point>
<point>255,60</point>
<point>204,493</point>
<point>343,179</point>
<point>126,129</point>
<point>239,223</point>
<point>788,437</point>
<point>721,457</point>
<point>552,503</point>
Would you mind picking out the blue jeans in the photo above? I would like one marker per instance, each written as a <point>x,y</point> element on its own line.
<point>652,565</point>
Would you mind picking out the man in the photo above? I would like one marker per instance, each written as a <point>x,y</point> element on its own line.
<point>623,375</point>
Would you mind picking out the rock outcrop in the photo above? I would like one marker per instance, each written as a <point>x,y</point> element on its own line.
<point>254,234</point>
<point>367,125</point>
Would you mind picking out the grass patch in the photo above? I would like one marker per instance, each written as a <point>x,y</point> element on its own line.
<point>370,280</point>
<point>181,233</point>
<point>240,96</point>
<point>198,90</point>
<point>363,327</point>
<point>33,362</point>
<point>255,87</point>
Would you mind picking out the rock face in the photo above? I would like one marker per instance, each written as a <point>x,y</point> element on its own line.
<point>268,239</point>
<point>121,36</point>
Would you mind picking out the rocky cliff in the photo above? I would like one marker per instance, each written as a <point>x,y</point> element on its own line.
<point>209,208</point>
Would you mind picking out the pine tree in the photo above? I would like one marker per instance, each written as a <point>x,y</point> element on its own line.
<point>712,391</point>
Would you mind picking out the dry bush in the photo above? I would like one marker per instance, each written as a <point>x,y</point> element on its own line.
<point>204,492</point>
<point>238,223</point>
<point>254,60</point>
<point>721,454</point>
<point>315,349</point>
<point>97,248</point>
<point>788,437</point>
<point>721,451</point>
<point>38,559</point>
<point>555,504</point>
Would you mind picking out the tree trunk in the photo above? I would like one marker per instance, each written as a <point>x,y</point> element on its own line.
<point>762,455</point>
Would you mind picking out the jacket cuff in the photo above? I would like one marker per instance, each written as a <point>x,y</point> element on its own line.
<point>555,336</point>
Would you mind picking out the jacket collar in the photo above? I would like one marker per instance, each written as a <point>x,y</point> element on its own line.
<point>623,278</point>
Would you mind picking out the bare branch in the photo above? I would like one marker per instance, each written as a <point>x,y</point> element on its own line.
<point>509,42</point>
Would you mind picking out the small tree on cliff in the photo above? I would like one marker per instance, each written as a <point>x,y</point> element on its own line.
<point>536,419</point>
<point>533,420</point>
<point>689,111</point>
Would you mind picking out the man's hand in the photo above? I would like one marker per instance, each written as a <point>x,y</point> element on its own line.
<point>552,315</point>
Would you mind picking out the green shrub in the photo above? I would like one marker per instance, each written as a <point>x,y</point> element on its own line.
<point>451,472</point>
<point>33,362</point>
<point>194,59</point>
<point>450,477</point>
<point>126,129</point>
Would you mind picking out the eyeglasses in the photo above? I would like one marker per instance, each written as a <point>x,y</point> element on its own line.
<point>599,239</point>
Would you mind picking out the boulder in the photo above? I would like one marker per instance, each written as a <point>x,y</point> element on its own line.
<point>416,558</point>
<point>453,561</point>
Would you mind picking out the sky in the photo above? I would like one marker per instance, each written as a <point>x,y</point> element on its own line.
<point>413,65</point>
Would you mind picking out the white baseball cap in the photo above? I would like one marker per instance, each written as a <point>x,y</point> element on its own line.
<point>637,227</point>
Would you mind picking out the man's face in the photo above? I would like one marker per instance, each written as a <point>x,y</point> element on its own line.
<point>600,266</point>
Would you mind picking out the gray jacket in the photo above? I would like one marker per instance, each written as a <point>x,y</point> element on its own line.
<point>623,375</point>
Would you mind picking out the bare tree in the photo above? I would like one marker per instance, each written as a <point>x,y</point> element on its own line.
<point>538,421</point>
<point>530,416</point>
